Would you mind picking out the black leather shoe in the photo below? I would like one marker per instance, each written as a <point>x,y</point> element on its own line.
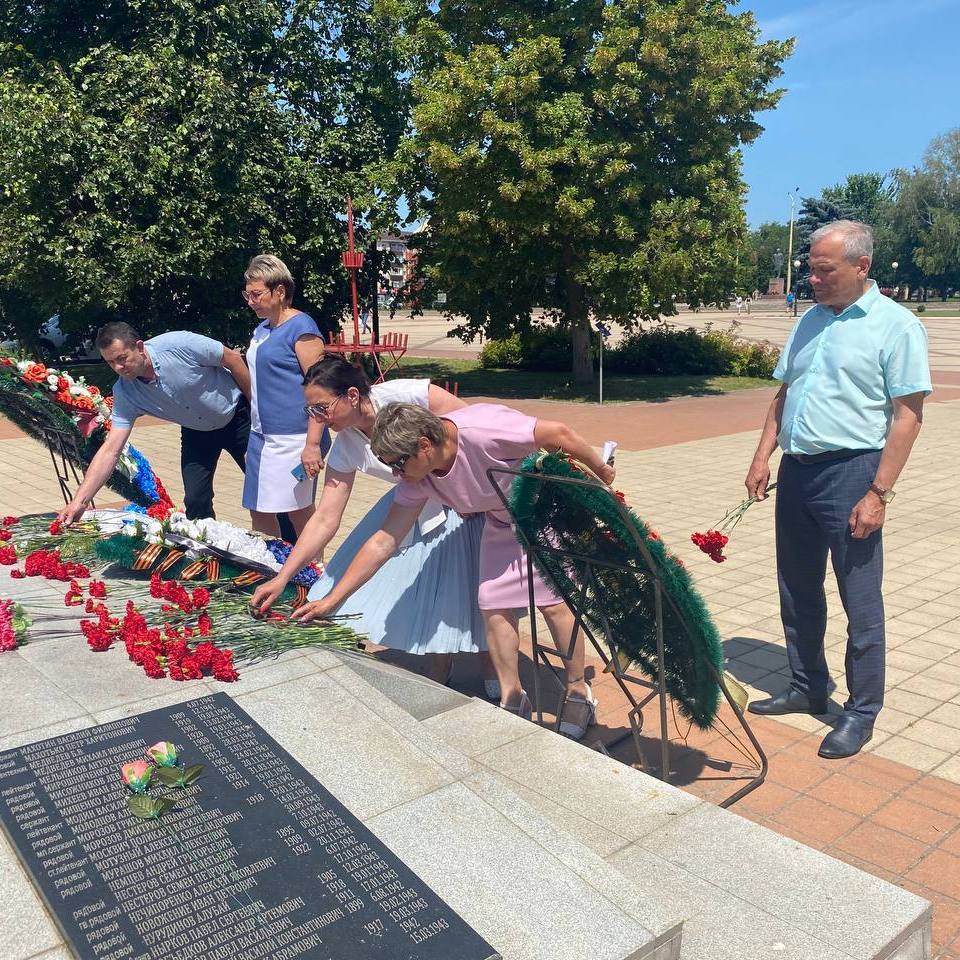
<point>790,701</point>
<point>847,738</point>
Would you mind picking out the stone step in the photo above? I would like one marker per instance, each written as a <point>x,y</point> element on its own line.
<point>529,888</point>
<point>744,892</point>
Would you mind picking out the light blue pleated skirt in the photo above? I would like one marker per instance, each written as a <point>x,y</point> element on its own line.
<point>424,598</point>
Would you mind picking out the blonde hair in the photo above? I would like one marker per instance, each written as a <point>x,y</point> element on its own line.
<point>272,272</point>
<point>398,428</point>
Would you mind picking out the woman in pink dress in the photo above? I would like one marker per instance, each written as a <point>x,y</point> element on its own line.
<point>446,459</point>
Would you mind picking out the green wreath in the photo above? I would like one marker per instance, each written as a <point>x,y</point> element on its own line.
<point>619,601</point>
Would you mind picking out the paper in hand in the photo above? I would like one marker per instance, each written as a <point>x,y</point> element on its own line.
<point>609,450</point>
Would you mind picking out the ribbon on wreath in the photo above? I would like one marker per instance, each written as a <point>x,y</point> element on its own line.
<point>192,570</point>
<point>247,579</point>
<point>148,556</point>
<point>168,561</point>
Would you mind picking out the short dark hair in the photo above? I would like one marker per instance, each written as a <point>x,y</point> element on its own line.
<point>337,375</point>
<point>118,330</point>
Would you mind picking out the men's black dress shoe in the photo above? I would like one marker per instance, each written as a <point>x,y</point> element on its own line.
<point>790,701</point>
<point>847,738</point>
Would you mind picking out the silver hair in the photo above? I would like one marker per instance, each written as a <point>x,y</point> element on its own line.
<point>857,237</point>
<point>398,428</point>
<point>272,272</point>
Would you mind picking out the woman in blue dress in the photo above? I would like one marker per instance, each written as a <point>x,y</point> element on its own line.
<point>424,599</point>
<point>286,448</point>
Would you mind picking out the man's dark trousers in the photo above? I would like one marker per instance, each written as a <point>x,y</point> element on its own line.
<point>814,502</point>
<point>199,452</point>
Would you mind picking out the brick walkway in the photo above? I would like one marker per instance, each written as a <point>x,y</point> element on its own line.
<point>894,810</point>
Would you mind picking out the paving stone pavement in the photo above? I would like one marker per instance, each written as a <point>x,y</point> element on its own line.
<point>894,810</point>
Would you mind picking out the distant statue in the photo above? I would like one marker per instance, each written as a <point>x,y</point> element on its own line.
<point>777,263</point>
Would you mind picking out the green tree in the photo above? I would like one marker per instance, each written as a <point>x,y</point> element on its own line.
<point>867,197</point>
<point>864,196</point>
<point>582,155</point>
<point>764,242</point>
<point>927,216</point>
<point>148,149</point>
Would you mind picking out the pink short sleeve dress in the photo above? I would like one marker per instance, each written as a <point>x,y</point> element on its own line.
<point>488,435</point>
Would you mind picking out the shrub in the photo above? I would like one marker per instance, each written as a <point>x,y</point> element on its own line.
<point>921,307</point>
<point>541,348</point>
<point>661,351</point>
<point>665,351</point>
<point>502,354</point>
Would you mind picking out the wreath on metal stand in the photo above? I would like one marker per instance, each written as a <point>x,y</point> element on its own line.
<point>633,598</point>
<point>72,420</point>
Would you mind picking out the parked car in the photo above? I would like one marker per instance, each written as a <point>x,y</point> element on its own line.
<point>53,344</point>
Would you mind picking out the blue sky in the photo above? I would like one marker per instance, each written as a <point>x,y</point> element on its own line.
<point>870,83</point>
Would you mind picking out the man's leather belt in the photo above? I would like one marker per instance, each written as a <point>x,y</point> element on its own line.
<point>828,455</point>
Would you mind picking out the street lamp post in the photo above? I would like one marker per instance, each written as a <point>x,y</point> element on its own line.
<point>793,196</point>
<point>894,265</point>
<point>796,266</point>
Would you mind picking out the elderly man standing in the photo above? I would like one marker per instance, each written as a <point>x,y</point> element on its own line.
<point>855,372</point>
<point>179,376</point>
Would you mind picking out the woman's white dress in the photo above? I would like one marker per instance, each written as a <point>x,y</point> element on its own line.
<point>424,598</point>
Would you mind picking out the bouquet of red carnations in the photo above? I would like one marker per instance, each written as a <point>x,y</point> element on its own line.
<point>716,538</point>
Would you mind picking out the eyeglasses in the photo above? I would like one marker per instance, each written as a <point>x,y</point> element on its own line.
<point>398,466</point>
<point>252,296</point>
<point>320,411</point>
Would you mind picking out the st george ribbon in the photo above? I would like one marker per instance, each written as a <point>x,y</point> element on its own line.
<point>257,860</point>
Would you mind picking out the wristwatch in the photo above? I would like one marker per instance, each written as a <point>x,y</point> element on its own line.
<point>886,495</point>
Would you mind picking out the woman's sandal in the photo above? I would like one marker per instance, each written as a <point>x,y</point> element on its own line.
<point>523,709</point>
<point>576,731</point>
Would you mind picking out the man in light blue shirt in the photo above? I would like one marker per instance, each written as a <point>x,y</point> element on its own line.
<point>855,372</point>
<point>182,377</point>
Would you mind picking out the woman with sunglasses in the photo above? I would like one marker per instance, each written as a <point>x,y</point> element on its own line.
<point>285,450</point>
<point>424,599</point>
<point>446,458</point>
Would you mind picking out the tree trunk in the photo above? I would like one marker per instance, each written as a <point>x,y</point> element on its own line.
<point>578,318</point>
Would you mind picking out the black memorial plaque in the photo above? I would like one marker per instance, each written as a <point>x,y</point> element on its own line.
<point>257,861</point>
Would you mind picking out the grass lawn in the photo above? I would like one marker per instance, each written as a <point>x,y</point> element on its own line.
<point>474,381</point>
<point>938,312</point>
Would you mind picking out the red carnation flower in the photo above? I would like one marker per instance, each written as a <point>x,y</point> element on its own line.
<point>98,589</point>
<point>5,535</point>
<point>201,597</point>
<point>55,528</point>
<point>223,668</point>
<point>711,543</point>
<point>8,556</point>
<point>204,654</point>
<point>152,668</point>
<point>9,521</point>
<point>17,574</point>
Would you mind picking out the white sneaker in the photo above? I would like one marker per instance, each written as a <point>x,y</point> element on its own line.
<point>491,688</point>
<point>574,730</point>
<point>523,709</point>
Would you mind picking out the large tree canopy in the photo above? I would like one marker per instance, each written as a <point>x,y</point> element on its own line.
<point>582,155</point>
<point>867,197</point>
<point>927,216</point>
<point>148,148</point>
